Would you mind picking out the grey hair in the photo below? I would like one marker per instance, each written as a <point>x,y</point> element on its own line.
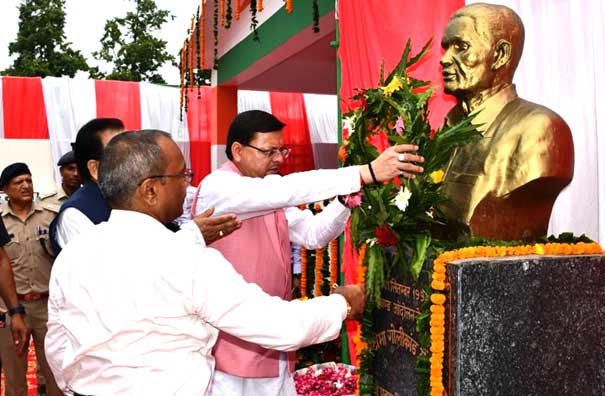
<point>494,22</point>
<point>128,159</point>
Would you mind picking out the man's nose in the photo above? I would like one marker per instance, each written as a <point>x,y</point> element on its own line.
<point>446,59</point>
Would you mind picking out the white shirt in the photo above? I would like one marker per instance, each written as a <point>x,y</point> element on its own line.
<point>139,316</point>
<point>248,197</point>
<point>72,222</point>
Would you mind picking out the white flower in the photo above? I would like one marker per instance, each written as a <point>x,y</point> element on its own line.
<point>402,199</point>
<point>371,242</point>
<point>349,123</point>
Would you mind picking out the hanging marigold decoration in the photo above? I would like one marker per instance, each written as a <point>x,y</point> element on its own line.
<point>289,7</point>
<point>360,344</point>
<point>237,9</point>
<point>202,36</point>
<point>191,64</point>
<point>259,5</point>
<point>316,16</point>
<point>253,20</point>
<point>303,272</point>
<point>228,15</point>
<point>319,263</point>
<point>333,262</point>
<point>223,9</point>
<point>215,33</point>
<point>182,85</point>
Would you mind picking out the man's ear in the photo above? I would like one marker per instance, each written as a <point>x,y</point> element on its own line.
<point>502,54</point>
<point>236,151</point>
<point>93,169</point>
<point>148,191</point>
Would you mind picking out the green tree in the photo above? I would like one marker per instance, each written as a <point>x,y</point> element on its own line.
<point>41,47</point>
<point>130,46</point>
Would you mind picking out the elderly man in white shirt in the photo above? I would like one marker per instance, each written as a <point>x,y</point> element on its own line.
<point>140,315</point>
<point>249,185</point>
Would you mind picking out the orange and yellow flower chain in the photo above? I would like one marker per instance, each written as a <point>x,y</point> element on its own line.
<point>360,345</point>
<point>437,322</point>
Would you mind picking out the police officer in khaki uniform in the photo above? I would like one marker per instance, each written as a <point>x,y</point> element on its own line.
<point>27,224</point>
<point>70,182</point>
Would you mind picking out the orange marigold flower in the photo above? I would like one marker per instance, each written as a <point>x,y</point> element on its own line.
<point>437,309</point>
<point>438,285</point>
<point>438,298</point>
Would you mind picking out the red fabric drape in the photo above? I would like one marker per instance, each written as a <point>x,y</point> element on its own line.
<point>24,109</point>
<point>198,123</point>
<point>373,31</point>
<point>289,108</point>
<point>119,99</point>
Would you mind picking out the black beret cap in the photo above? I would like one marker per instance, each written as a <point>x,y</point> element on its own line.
<point>13,170</point>
<point>67,158</point>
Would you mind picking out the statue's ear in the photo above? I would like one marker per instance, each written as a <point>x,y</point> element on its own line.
<point>502,54</point>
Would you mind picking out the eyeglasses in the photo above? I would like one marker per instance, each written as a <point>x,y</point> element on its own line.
<point>187,175</point>
<point>284,151</point>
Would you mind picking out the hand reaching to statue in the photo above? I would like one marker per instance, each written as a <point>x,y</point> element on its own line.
<point>395,161</point>
<point>214,228</point>
<point>356,299</point>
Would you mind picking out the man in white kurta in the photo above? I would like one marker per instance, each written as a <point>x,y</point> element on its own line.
<point>250,186</point>
<point>140,315</point>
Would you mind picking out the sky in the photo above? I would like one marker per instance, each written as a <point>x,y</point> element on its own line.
<point>84,22</point>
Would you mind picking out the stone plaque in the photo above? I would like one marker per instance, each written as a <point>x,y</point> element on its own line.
<point>526,326</point>
<point>396,340</point>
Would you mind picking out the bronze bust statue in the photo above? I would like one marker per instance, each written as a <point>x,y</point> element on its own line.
<point>503,186</point>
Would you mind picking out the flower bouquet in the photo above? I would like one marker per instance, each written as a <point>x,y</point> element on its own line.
<point>395,222</point>
<point>326,379</point>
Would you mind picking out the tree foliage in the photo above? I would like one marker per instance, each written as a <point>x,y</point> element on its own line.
<point>130,46</point>
<point>41,46</point>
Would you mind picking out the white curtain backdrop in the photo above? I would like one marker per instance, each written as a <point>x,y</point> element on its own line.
<point>562,68</point>
<point>322,117</point>
<point>253,100</point>
<point>160,110</point>
<point>70,103</point>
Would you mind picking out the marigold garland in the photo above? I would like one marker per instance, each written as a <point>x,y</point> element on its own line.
<point>237,9</point>
<point>223,9</point>
<point>360,345</point>
<point>202,37</point>
<point>183,50</point>
<point>289,7</point>
<point>259,5</point>
<point>319,263</point>
<point>303,272</point>
<point>191,66</point>
<point>439,283</point>
<point>333,262</point>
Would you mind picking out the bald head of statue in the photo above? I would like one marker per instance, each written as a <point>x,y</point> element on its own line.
<point>483,44</point>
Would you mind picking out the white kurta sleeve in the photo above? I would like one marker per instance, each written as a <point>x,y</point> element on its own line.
<point>253,196</point>
<point>190,231</point>
<point>316,231</point>
<point>225,300</point>
<point>55,342</point>
<point>71,222</point>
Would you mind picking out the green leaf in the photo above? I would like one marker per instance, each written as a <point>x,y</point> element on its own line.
<point>420,245</point>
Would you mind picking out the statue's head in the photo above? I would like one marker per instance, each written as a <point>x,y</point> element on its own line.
<point>483,45</point>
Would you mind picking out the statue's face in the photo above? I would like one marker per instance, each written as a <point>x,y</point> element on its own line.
<point>468,58</point>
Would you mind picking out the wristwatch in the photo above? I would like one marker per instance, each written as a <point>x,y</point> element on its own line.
<point>19,309</point>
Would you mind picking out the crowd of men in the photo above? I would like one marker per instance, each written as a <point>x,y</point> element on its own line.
<point>119,299</point>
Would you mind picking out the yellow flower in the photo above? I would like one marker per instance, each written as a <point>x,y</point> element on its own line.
<point>393,86</point>
<point>539,249</point>
<point>437,176</point>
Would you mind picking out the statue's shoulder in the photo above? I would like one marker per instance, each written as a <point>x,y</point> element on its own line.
<point>537,114</point>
